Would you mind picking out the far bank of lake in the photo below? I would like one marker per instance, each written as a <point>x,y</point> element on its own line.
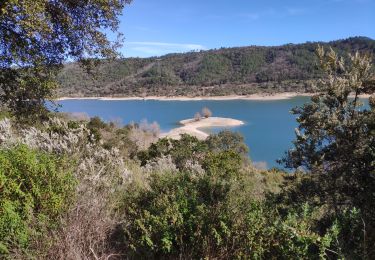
<point>268,125</point>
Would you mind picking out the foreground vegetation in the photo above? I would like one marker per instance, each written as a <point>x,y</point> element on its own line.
<point>185,198</point>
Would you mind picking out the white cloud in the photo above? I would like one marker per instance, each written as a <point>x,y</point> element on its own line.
<point>147,50</point>
<point>161,48</point>
<point>172,45</point>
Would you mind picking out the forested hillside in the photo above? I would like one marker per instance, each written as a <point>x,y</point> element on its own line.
<point>240,71</point>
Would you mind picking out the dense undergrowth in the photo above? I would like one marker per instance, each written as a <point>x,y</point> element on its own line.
<point>70,194</point>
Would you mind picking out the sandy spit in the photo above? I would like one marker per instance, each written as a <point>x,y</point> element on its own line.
<point>192,127</point>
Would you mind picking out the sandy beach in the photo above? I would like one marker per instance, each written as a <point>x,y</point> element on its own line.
<point>278,96</point>
<point>192,127</point>
<point>259,97</point>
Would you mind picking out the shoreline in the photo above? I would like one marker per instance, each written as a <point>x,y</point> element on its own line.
<point>277,96</point>
<point>192,127</point>
<point>255,97</point>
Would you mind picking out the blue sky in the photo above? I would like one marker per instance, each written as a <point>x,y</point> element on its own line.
<point>157,27</point>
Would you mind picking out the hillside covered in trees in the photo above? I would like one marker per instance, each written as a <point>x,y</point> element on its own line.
<point>240,71</point>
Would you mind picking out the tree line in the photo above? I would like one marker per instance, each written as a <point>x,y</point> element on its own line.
<point>226,71</point>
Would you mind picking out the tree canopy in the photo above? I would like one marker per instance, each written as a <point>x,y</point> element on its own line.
<point>335,144</point>
<point>37,36</point>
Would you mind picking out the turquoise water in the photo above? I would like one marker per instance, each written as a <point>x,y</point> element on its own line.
<point>268,130</point>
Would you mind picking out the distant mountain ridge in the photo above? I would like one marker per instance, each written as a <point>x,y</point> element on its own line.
<point>225,71</point>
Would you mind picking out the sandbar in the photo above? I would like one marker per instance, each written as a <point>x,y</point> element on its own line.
<point>192,127</point>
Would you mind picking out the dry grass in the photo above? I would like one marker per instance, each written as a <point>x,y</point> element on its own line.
<point>84,233</point>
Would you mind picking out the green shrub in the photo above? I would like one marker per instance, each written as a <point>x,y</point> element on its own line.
<point>227,140</point>
<point>188,148</point>
<point>213,215</point>
<point>196,217</point>
<point>35,188</point>
<point>96,125</point>
<point>96,122</point>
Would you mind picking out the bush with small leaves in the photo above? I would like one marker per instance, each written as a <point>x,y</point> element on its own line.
<point>227,140</point>
<point>188,148</point>
<point>99,172</point>
<point>209,216</point>
<point>36,188</point>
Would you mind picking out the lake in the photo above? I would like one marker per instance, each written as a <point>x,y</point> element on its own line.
<point>268,130</point>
